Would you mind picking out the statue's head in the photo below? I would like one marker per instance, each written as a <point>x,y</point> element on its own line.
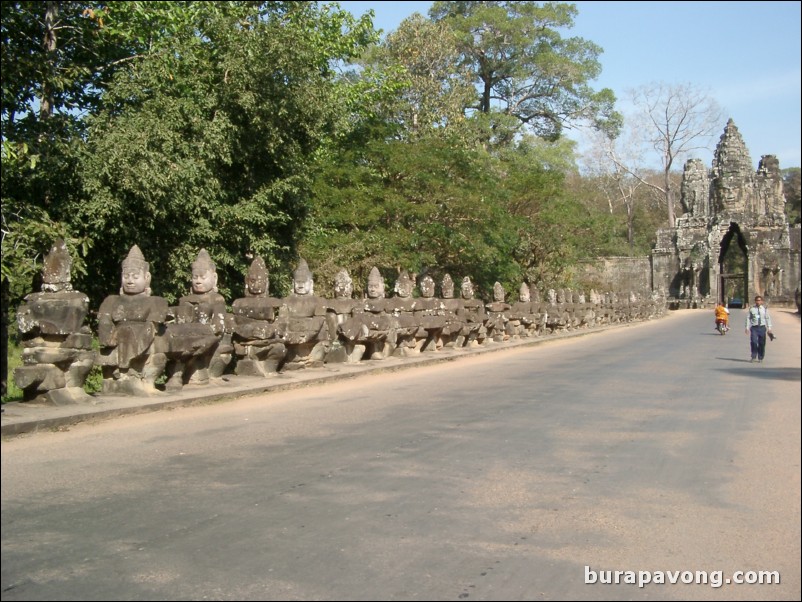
<point>498,292</point>
<point>466,289</point>
<point>404,285</point>
<point>302,283</point>
<point>427,287</point>
<point>447,287</point>
<point>375,284</point>
<point>343,285</point>
<point>257,281</point>
<point>135,274</point>
<point>204,274</point>
<point>57,269</point>
<point>523,293</point>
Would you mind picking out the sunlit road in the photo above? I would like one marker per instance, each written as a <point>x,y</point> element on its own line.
<point>655,447</point>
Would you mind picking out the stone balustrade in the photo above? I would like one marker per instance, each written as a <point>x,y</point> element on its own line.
<point>148,348</point>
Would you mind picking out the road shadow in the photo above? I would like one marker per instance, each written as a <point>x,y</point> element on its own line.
<point>763,371</point>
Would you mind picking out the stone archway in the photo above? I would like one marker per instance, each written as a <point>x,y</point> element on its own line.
<point>733,263</point>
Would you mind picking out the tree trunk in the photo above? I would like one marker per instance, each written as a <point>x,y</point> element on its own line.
<point>49,44</point>
<point>669,199</point>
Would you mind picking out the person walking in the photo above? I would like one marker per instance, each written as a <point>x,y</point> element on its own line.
<point>758,325</point>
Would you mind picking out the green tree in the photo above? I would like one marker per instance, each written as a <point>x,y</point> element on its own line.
<point>433,91</point>
<point>209,145</point>
<point>426,204</point>
<point>791,189</point>
<point>523,66</point>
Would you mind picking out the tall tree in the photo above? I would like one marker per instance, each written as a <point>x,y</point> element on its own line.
<point>674,120</point>
<point>792,190</point>
<point>433,89</point>
<point>524,67</point>
<point>210,144</point>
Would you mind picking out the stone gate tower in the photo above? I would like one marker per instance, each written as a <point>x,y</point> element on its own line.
<point>734,241</point>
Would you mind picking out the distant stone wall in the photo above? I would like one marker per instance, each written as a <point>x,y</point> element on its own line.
<point>618,273</point>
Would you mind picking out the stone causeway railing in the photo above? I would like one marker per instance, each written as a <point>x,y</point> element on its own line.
<point>148,347</point>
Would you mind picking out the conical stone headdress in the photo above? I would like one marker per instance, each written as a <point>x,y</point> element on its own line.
<point>375,277</point>
<point>57,268</point>
<point>204,262</point>
<point>135,260</point>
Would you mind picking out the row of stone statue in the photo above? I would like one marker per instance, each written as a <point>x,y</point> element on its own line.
<point>147,346</point>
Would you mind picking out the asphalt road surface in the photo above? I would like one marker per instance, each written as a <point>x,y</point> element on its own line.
<point>655,450</point>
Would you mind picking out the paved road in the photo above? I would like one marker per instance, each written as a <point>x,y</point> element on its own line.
<point>654,447</point>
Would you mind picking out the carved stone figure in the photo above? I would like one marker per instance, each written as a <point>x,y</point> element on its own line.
<point>257,341</point>
<point>302,319</point>
<point>522,322</point>
<point>451,307</point>
<point>57,351</point>
<point>375,325</point>
<point>199,341</point>
<point>402,306</point>
<point>129,325</point>
<point>472,315</point>
<point>342,311</point>
<point>429,316</point>
<point>497,315</point>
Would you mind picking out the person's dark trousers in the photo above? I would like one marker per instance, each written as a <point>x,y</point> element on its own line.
<point>757,341</point>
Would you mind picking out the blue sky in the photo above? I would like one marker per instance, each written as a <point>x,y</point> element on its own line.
<point>746,55</point>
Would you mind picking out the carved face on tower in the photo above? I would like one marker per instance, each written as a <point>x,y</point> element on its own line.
<point>135,274</point>
<point>375,285</point>
<point>302,283</point>
<point>403,286</point>
<point>343,285</point>
<point>257,281</point>
<point>427,287</point>
<point>204,274</point>
<point>466,289</point>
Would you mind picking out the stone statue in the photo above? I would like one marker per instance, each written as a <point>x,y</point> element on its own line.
<point>199,341</point>
<point>451,308</point>
<point>472,315</point>
<point>429,314</point>
<point>302,320</point>
<point>374,325</point>
<point>497,315</point>
<point>521,323</point>
<point>256,339</point>
<point>57,351</point>
<point>129,325</point>
<point>343,315</point>
<point>402,306</point>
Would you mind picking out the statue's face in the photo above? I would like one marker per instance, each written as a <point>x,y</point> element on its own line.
<point>302,287</point>
<point>467,289</point>
<point>343,288</point>
<point>257,284</point>
<point>448,290</point>
<point>498,293</point>
<point>427,287</point>
<point>524,294</point>
<point>135,281</point>
<point>203,281</point>
<point>403,288</point>
<point>375,289</point>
